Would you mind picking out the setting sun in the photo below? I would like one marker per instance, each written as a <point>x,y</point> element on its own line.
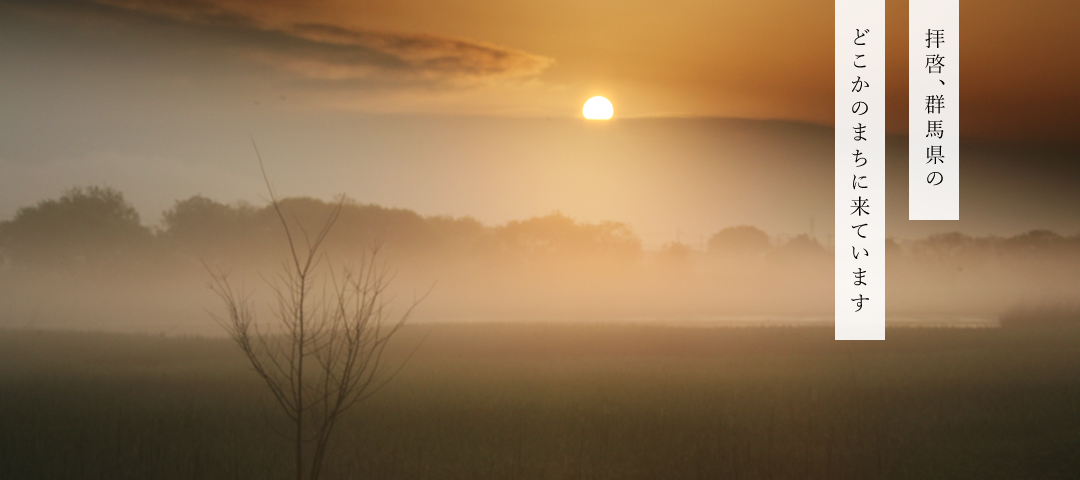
<point>598,108</point>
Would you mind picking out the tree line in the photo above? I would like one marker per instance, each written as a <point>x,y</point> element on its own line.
<point>97,228</point>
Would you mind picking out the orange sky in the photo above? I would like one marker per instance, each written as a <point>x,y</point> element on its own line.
<point>764,59</point>
<point>408,103</point>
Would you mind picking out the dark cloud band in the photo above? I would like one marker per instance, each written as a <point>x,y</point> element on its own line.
<point>337,51</point>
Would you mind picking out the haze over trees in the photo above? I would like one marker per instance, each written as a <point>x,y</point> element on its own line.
<point>551,266</point>
<point>86,227</point>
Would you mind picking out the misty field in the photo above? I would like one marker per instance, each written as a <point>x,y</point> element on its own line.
<point>564,402</point>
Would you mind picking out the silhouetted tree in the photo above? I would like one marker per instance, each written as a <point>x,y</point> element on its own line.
<point>211,229</point>
<point>557,236</point>
<point>86,227</point>
<point>399,230</point>
<point>675,254</point>
<point>802,247</point>
<point>743,240</point>
<point>1036,242</point>
<point>942,246</point>
<point>462,234</point>
<point>323,353</point>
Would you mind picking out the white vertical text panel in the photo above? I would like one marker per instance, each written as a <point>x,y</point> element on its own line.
<point>934,110</point>
<point>860,170</point>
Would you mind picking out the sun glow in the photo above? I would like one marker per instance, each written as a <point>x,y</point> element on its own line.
<point>598,108</point>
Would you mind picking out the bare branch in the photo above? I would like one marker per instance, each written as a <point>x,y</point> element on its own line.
<point>326,353</point>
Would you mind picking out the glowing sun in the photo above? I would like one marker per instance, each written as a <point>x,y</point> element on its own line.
<point>598,108</point>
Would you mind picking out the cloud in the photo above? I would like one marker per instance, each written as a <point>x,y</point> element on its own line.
<point>335,51</point>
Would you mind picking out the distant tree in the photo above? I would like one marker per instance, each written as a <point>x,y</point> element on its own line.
<point>462,235</point>
<point>398,229</point>
<point>943,246</point>
<point>675,253</point>
<point>557,236</point>
<point>85,227</point>
<point>198,216</point>
<point>214,230</point>
<point>742,240</point>
<point>1036,242</point>
<point>802,246</point>
<point>209,228</point>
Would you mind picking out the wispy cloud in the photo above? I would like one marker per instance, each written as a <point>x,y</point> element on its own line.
<point>336,51</point>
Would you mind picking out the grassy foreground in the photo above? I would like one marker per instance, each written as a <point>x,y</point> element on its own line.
<point>564,402</point>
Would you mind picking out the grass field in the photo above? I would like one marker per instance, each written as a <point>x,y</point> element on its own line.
<point>564,402</point>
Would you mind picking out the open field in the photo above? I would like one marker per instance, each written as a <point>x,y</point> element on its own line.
<point>565,402</point>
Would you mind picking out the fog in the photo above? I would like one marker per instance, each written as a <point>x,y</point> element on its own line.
<point>83,261</point>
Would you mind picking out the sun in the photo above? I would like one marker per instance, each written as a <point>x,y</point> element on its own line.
<point>598,108</point>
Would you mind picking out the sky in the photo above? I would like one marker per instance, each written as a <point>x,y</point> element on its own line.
<point>473,108</point>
